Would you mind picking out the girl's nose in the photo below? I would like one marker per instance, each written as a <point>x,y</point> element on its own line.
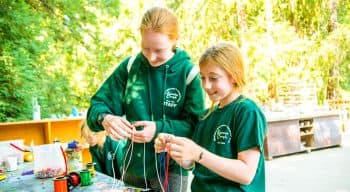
<point>206,85</point>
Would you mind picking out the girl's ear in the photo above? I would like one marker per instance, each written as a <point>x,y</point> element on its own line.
<point>238,75</point>
<point>232,80</point>
<point>175,43</point>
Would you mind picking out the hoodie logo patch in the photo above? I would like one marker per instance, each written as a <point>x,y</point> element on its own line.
<point>172,97</point>
<point>222,135</point>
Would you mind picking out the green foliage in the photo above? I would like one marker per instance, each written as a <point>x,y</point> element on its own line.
<point>306,16</point>
<point>61,51</point>
<point>20,50</point>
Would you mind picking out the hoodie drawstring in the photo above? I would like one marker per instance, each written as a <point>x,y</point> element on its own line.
<point>150,95</point>
<point>164,89</point>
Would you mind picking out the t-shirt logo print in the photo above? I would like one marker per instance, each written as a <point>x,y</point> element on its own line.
<point>172,97</point>
<point>222,135</point>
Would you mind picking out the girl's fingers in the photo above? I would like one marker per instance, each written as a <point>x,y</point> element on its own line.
<point>177,140</point>
<point>116,136</point>
<point>137,139</point>
<point>175,155</point>
<point>122,133</point>
<point>126,124</point>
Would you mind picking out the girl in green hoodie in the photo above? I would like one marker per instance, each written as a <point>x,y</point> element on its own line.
<point>156,91</point>
<point>228,144</point>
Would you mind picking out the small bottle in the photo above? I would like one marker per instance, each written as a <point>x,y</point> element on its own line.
<point>75,112</point>
<point>36,110</point>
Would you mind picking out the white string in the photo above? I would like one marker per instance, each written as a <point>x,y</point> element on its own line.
<point>114,154</point>
<point>180,175</point>
<point>160,183</point>
<point>127,166</point>
<point>124,168</point>
<point>144,164</point>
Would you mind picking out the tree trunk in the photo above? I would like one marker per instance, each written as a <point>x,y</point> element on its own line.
<point>333,4</point>
<point>333,81</point>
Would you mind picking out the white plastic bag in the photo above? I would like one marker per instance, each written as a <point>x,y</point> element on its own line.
<point>49,161</point>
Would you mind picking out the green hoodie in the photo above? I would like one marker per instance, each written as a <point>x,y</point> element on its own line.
<point>169,94</point>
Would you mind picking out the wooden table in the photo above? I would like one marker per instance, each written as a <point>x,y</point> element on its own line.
<point>29,183</point>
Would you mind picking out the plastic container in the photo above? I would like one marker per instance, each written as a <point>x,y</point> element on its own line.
<point>74,160</point>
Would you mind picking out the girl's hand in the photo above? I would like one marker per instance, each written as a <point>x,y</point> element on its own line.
<point>117,127</point>
<point>161,141</point>
<point>183,149</point>
<point>147,132</point>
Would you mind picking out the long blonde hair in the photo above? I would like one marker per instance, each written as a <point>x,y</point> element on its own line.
<point>86,132</point>
<point>161,19</point>
<point>228,57</point>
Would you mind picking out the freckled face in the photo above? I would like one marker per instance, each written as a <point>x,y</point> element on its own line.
<point>217,84</point>
<point>156,47</point>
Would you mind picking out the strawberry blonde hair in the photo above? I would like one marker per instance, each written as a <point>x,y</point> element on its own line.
<point>162,20</point>
<point>228,57</point>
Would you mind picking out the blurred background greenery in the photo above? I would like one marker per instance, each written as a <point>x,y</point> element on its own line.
<point>61,51</point>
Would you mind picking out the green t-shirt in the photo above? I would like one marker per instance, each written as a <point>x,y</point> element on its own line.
<point>237,127</point>
<point>103,158</point>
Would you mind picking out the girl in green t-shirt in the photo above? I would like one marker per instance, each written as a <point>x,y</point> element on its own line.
<point>105,152</point>
<point>226,149</point>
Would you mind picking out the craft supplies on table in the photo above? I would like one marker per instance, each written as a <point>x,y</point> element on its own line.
<point>27,182</point>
